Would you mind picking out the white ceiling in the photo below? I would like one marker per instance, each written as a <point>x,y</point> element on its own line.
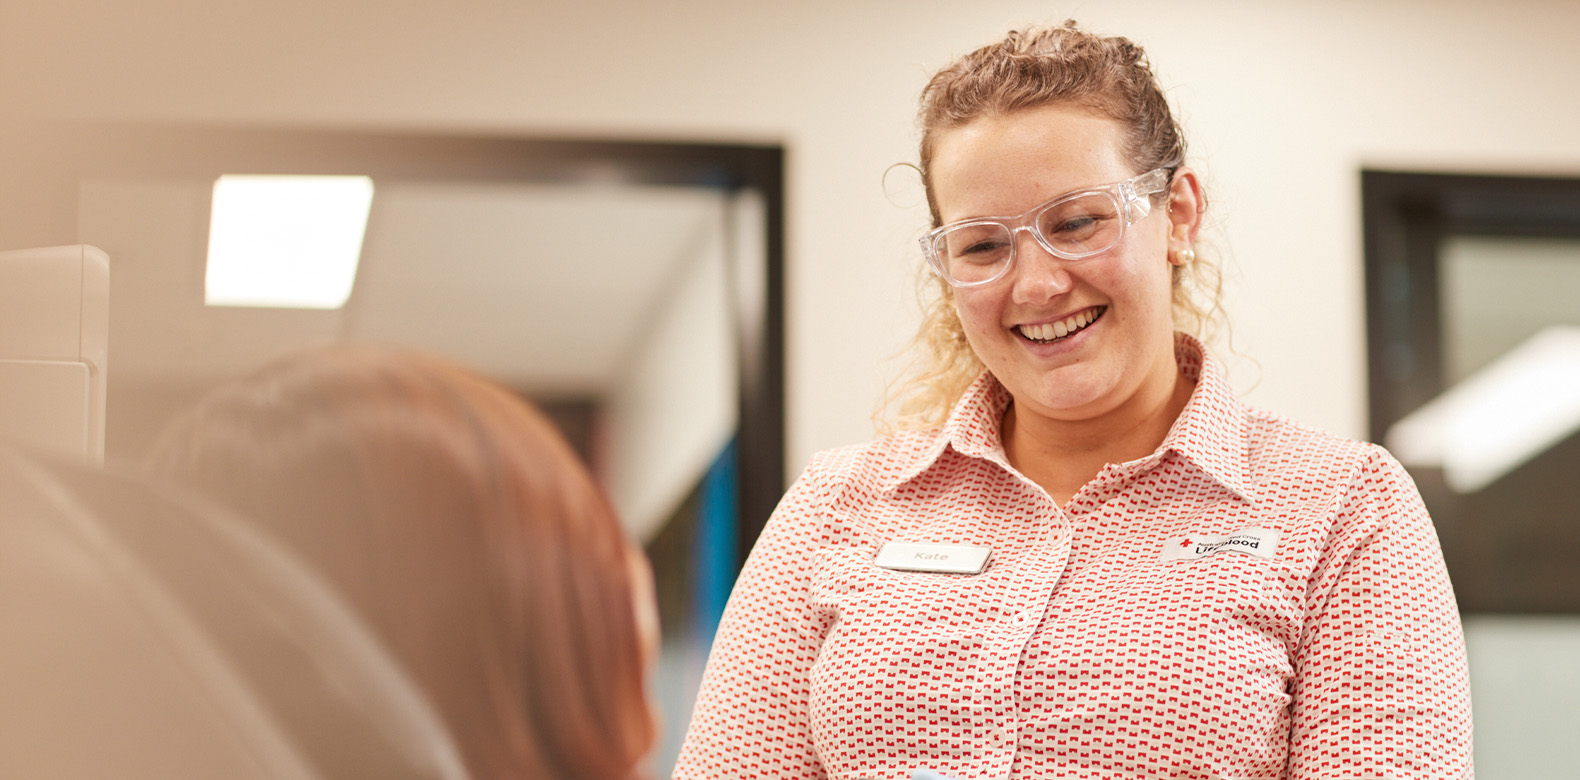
<point>545,287</point>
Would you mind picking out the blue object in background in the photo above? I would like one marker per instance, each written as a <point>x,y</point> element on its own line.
<point>718,517</point>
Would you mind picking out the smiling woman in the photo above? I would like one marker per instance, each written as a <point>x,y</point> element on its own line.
<point>1175,584</point>
<point>1108,390</point>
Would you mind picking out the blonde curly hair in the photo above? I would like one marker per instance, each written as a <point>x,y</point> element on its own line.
<point>1030,69</point>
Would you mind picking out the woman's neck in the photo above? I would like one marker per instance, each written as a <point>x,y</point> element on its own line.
<point>1063,455</point>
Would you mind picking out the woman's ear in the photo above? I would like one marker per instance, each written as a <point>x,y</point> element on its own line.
<point>1184,209</point>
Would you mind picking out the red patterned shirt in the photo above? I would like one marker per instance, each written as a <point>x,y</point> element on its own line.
<point>1255,599</point>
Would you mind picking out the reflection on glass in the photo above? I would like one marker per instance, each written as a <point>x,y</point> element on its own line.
<point>1511,360</point>
<point>1498,292</point>
<point>1500,417</point>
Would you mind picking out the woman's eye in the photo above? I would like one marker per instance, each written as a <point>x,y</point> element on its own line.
<point>1075,224</point>
<point>984,251</point>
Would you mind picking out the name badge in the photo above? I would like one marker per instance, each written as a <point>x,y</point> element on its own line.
<point>927,556</point>
<point>1255,542</point>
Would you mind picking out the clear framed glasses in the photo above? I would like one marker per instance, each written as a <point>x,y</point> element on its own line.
<point>1074,226</point>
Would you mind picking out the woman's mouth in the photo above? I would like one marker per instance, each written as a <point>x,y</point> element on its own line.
<point>1062,329</point>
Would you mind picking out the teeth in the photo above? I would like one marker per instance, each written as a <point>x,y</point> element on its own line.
<point>1060,329</point>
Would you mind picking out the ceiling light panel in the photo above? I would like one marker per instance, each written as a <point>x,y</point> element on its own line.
<point>286,241</point>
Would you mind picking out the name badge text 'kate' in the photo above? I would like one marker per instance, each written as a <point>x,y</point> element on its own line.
<point>932,557</point>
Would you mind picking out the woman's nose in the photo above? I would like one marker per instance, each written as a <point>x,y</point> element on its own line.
<point>1039,274</point>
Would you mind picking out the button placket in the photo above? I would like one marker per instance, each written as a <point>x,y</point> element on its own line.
<point>1022,613</point>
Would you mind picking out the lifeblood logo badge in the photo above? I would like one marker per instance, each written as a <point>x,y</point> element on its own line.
<point>1255,542</point>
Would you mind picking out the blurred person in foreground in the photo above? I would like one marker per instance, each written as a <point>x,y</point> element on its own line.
<point>464,529</point>
<point>1088,558</point>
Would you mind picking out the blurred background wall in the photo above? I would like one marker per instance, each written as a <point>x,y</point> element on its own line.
<point>1283,103</point>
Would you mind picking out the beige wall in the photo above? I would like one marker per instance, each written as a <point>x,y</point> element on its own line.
<point>1284,103</point>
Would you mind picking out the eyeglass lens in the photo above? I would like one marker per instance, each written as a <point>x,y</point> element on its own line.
<point>1075,227</point>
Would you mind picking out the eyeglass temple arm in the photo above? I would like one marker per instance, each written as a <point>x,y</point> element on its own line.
<point>1137,191</point>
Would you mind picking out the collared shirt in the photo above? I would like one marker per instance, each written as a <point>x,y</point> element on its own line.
<point>1255,599</point>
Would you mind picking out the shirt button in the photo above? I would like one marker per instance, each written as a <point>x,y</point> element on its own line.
<point>1023,618</point>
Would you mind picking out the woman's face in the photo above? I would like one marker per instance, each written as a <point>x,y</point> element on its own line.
<point>1005,165</point>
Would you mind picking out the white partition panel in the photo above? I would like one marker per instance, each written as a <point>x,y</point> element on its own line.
<point>54,333</point>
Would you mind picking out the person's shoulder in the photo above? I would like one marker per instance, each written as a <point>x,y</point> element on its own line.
<point>1279,441</point>
<point>872,464</point>
<point>839,487</point>
<point>861,472</point>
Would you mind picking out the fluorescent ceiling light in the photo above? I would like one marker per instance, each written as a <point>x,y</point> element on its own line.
<point>286,241</point>
<point>1499,417</point>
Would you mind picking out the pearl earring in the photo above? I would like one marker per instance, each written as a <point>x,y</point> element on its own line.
<point>1186,256</point>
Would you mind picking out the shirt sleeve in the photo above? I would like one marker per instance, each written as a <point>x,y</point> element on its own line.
<point>1380,686</point>
<point>751,719</point>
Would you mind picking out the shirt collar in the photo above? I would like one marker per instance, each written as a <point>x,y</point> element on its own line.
<point>971,430</point>
<point>1210,433</point>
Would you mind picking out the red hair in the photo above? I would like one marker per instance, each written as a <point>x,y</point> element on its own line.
<point>457,520</point>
